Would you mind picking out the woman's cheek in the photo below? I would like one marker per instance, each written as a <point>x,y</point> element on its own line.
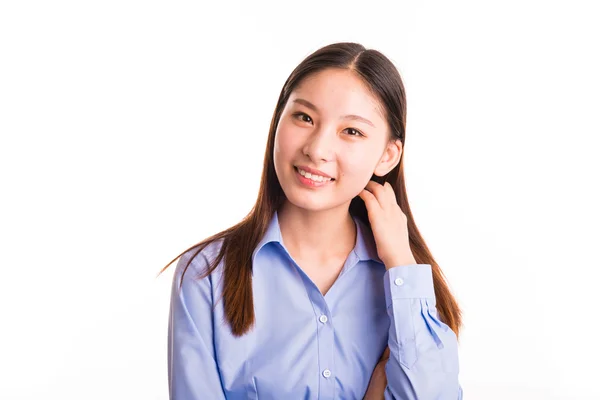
<point>357,167</point>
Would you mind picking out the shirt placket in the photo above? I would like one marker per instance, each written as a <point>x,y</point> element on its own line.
<point>325,340</point>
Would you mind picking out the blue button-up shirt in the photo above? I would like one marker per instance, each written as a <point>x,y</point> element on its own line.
<point>305,345</point>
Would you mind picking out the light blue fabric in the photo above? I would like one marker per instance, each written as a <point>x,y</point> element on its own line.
<point>306,345</point>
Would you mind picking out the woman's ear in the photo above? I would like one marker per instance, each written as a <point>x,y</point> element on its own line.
<point>390,158</point>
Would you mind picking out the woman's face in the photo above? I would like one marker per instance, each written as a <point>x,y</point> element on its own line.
<point>332,123</point>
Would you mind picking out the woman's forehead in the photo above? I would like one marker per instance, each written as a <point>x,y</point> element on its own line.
<point>340,92</point>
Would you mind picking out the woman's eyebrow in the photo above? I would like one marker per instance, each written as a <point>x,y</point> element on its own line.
<point>353,117</point>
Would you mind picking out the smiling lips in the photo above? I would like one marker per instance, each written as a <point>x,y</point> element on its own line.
<point>311,179</point>
<point>313,171</point>
<point>315,177</point>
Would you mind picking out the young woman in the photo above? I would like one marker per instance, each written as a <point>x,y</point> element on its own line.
<point>326,289</point>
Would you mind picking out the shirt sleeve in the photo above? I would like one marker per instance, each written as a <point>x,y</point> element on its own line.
<point>423,363</point>
<point>192,368</point>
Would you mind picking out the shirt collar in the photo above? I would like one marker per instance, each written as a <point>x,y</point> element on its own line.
<point>273,234</point>
<point>365,248</point>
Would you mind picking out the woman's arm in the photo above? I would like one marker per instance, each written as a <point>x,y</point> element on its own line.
<point>423,362</point>
<point>193,372</point>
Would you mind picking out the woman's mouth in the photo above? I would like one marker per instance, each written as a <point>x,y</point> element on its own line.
<point>310,180</point>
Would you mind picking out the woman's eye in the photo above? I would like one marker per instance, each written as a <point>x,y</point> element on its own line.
<point>306,118</point>
<point>303,117</point>
<point>354,132</point>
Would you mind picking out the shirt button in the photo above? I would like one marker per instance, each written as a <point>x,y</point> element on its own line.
<point>399,282</point>
<point>327,373</point>
<point>323,318</point>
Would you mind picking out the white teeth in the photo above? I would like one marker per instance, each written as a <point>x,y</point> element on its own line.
<point>316,178</point>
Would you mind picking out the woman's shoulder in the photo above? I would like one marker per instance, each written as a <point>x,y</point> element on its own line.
<point>199,259</point>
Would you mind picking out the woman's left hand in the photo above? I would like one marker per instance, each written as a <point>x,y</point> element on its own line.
<point>378,381</point>
<point>388,224</point>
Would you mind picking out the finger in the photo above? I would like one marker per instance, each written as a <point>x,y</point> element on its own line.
<point>373,206</point>
<point>378,191</point>
<point>385,194</point>
<point>390,194</point>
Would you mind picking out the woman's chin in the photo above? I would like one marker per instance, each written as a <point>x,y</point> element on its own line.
<point>314,203</point>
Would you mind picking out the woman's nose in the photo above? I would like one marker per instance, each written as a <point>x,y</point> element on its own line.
<point>320,145</point>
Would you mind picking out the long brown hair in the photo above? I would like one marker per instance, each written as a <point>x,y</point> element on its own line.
<point>239,241</point>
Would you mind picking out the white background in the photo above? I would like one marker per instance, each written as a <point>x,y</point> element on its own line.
<point>131,130</point>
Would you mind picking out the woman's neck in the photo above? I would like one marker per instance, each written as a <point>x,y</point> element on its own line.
<point>317,235</point>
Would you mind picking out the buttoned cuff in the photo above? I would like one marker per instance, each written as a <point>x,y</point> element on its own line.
<point>408,282</point>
